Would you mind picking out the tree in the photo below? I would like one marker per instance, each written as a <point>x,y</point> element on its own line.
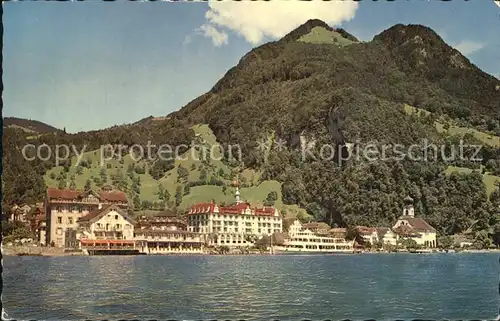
<point>72,184</point>
<point>187,189</point>
<point>103,176</point>
<point>88,185</point>
<point>118,180</point>
<point>137,180</point>
<point>66,166</point>
<point>271,198</point>
<point>496,234</point>
<point>482,240</point>
<point>137,203</point>
<point>203,175</point>
<point>182,173</point>
<point>13,230</point>
<point>161,191</point>
<point>178,195</point>
<point>408,243</point>
<point>79,170</point>
<point>146,205</point>
<point>135,188</point>
<point>166,195</point>
<point>140,169</point>
<point>445,242</point>
<point>62,184</point>
<point>160,167</point>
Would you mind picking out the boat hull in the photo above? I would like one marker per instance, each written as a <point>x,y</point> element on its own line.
<point>279,251</point>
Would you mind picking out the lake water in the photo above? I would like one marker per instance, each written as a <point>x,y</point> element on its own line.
<point>368,286</point>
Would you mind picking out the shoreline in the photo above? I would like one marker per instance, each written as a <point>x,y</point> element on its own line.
<point>57,252</point>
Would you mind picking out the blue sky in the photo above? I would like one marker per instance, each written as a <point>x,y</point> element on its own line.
<point>89,65</point>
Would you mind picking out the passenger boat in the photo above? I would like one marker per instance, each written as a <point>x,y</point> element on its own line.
<point>306,242</point>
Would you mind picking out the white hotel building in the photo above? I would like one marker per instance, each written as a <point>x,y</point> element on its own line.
<point>233,225</point>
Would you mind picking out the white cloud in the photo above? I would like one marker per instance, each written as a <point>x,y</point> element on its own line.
<point>257,20</point>
<point>468,47</point>
<point>219,38</point>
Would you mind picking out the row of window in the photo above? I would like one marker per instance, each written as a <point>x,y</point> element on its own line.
<point>69,220</point>
<point>231,223</point>
<point>233,242</point>
<point>233,217</point>
<point>72,208</point>
<point>116,226</point>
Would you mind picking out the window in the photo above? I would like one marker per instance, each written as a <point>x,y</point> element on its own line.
<point>70,220</point>
<point>116,217</point>
<point>59,220</point>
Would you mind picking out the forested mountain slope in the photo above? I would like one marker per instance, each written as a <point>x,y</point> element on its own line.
<point>321,86</point>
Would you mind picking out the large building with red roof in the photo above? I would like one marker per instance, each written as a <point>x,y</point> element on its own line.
<point>233,225</point>
<point>64,207</point>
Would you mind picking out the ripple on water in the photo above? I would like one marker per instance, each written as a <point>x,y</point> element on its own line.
<point>253,288</point>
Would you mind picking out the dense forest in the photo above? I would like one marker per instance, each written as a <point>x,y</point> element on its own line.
<point>336,95</point>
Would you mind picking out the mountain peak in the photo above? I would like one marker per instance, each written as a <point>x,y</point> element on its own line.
<point>401,34</point>
<point>306,28</point>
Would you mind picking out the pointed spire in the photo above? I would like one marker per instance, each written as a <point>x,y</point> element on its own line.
<point>237,194</point>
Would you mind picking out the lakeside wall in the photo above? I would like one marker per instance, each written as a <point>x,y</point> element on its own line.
<point>34,250</point>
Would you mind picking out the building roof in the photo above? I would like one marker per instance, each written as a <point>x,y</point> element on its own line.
<point>97,214</point>
<point>147,221</point>
<point>163,232</point>
<point>154,213</point>
<point>405,230</point>
<point>381,231</point>
<point>418,224</point>
<point>338,230</point>
<point>408,199</point>
<point>203,208</point>
<point>113,196</point>
<point>316,225</point>
<point>365,230</point>
<point>68,194</point>
<point>237,208</point>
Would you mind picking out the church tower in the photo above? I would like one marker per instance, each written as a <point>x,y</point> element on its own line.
<point>237,194</point>
<point>408,209</point>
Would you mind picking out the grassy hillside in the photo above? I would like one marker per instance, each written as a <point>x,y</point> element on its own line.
<point>253,189</point>
<point>442,126</point>
<point>322,35</point>
<point>490,181</point>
